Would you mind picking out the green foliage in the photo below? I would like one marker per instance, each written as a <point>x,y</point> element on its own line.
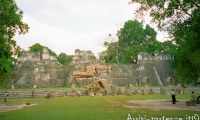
<point>5,68</point>
<point>52,53</point>
<point>181,20</point>
<point>92,57</point>
<point>10,23</point>
<point>132,39</point>
<point>188,62</point>
<point>36,48</point>
<point>112,52</point>
<point>39,48</point>
<point>64,59</point>
<point>169,47</point>
<point>131,33</point>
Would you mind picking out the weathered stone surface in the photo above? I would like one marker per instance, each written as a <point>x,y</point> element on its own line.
<point>162,91</point>
<point>151,91</point>
<point>68,92</point>
<point>119,92</point>
<point>142,92</point>
<point>113,90</point>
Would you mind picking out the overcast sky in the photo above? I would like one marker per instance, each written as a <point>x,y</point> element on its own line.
<point>66,25</point>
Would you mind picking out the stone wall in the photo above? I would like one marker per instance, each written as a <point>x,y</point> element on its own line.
<point>69,92</point>
<point>40,73</point>
<point>82,56</point>
<point>142,56</point>
<point>32,56</point>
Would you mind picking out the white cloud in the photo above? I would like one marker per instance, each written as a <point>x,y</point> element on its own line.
<point>66,25</point>
<point>57,38</point>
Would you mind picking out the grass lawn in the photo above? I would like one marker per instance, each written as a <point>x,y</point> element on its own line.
<point>89,108</point>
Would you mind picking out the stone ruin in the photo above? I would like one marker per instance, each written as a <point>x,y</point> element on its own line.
<point>149,71</point>
<point>36,56</point>
<point>82,56</point>
<point>157,68</point>
<point>41,70</point>
<point>34,70</point>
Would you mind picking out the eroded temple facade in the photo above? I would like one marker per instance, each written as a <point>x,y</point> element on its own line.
<point>36,56</point>
<point>40,70</point>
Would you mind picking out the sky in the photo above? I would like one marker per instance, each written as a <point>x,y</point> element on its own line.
<point>66,25</point>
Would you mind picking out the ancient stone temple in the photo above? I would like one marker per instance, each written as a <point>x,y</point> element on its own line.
<point>144,56</point>
<point>86,68</point>
<point>82,56</point>
<point>36,56</point>
<point>38,70</point>
<point>157,68</point>
<point>46,55</point>
<point>32,56</point>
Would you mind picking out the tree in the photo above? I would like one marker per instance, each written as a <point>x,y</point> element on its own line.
<point>36,48</point>
<point>39,48</point>
<point>10,23</point>
<point>130,56</point>
<point>131,33</point>
<point>51,52</point>
<point>133,38</point>
<point>180,18</point>
<point>112,48</point>
<point>152,45</point>
<point>169,47</point>
<point>64,59</point>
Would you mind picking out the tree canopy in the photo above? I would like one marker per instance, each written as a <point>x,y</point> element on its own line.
<point>10,23</point>
<point>39,48</point>
<point>36,48</point>
<point>64,59</point>
<point>131,39</point>
<point>112,51</point>
<point>180,18</point>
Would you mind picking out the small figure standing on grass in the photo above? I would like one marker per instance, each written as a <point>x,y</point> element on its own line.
<point>6,97</point>
<point>173,94</point>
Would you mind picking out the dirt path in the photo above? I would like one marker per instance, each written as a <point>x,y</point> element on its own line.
<point>161,105</point>
<point>4,108</point>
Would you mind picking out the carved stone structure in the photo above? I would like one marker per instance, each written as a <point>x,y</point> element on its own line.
<point>35,69</point>
<point>170,81</point>
<point>46,55</point>
<point>36,56</point>
<point>146,81</point>
<point>32,56</point>
<point>44,70</point>
<point>162,56</point>
<point>157,68</point>
<point>83,56</point>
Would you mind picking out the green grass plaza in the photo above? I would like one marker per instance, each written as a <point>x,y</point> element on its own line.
<point>108,107</point>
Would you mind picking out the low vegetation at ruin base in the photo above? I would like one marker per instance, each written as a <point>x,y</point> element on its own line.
<point>88,108</point>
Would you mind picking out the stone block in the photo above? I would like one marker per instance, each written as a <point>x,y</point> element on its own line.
<point>191,103</point>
